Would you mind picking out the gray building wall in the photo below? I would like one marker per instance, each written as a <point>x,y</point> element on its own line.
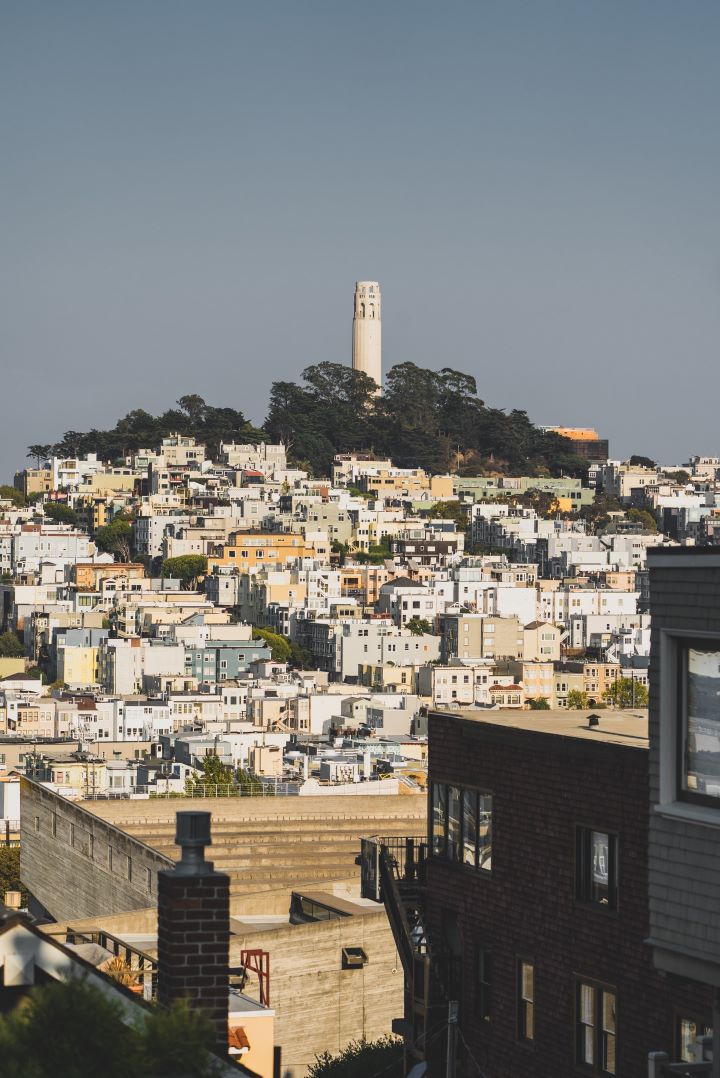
<point>77,865</point>
<point>319,1005</point>
<point>207,663</point>
<point>684,854</point>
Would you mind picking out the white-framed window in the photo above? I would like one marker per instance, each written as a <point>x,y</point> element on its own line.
<point>595,1026</point>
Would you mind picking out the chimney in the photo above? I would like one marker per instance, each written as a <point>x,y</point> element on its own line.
<point>194,928</point>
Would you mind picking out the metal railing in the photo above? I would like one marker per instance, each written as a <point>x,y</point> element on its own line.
<point>142,968</point>
<point>264,789</point>
<point>659,1065</point>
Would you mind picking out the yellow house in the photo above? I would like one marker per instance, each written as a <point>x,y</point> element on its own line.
<point>250,550</point>
<point>83,776</point>
<point>34,481</point>
<point>119,480</point>
<point>92,512</point>
<point>90,574</point>
<point>78,667</point>
<point>386,677</point>
<point>394,481</point>
<point>11,666</point>
<point>541,642</point>
<point>441,487</point>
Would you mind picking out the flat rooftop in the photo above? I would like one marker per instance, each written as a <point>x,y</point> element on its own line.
<point>627,727</point>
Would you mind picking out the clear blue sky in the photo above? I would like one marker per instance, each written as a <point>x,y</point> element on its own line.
<point>188,192</point>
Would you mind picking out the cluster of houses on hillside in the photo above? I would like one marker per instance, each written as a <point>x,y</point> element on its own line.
<point>394,591</point>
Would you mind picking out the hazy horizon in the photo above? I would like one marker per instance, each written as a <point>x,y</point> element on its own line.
<point>189,193</point>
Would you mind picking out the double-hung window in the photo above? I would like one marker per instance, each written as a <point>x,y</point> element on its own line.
<point>526,1000</point>
<point>595,1027</point>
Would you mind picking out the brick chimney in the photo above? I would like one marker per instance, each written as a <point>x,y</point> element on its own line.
<point>194,928</point>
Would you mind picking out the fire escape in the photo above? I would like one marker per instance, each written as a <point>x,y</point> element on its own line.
<point>393,871</point>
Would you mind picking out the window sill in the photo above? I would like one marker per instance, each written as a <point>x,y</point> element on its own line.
<point>686,812</point>
<point>597,907</point>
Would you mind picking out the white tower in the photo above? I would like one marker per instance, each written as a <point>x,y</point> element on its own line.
<point>367,328</point>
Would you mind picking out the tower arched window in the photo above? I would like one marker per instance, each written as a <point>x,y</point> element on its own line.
<point>362,310</point>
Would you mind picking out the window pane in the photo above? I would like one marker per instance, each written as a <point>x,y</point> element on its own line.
<point>469,827</point>
<point>439,813</point>
<point>600,852</point>
<point>587,1053</point>
<point>527,972</point>
<point>702,722</point>
<point>587,1004</point>
<point>586,1024</point>
<point>453,832</point>
<point>529,1021</point>
<point>485,831</point>
<point>608,1020</point>
<point>688,1034</point>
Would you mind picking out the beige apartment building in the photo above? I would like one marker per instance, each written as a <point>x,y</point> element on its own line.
<point>479,636</point>
<point>541,642</point>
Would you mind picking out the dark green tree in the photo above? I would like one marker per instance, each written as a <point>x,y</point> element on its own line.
<point>10,872</point>
<point>39,453</point>
<point>419,626</point>
<point>187,568</point>
<point>84,1026</point>
<point>250,784</point>
<point>452,510</point>
<point>214,773</point>
<point>116,538</point>
<point>642,517</point>
<point>280,649</point>
<point>637,461</point>
<point>11,494</point>
<point>11,647</point>
<point>60,513</point>
<point>538,703</point>
<point>362,1059</point>
<point>626,692</point>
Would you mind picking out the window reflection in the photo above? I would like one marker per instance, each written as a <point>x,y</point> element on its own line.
<point>461,825</point>
<point>700,679</point>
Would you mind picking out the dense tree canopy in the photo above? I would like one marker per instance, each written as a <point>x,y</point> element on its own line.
<point>60,513</point>
<point>428,419</point>
<point>424,418</point>
<point>11,647</point>
<point>141,430</point>
<point>361,1059</point>
<point>187,568</point>
<point>115,538</point>
<point>626,692</point>
<point>11,494</point>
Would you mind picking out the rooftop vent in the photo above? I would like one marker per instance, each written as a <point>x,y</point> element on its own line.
<point>192,834</point>
<point>593,720</point>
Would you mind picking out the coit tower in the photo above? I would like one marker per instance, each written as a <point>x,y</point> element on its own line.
<point>366,340</point>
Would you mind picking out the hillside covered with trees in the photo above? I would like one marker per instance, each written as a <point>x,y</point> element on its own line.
<point>429,419</point>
